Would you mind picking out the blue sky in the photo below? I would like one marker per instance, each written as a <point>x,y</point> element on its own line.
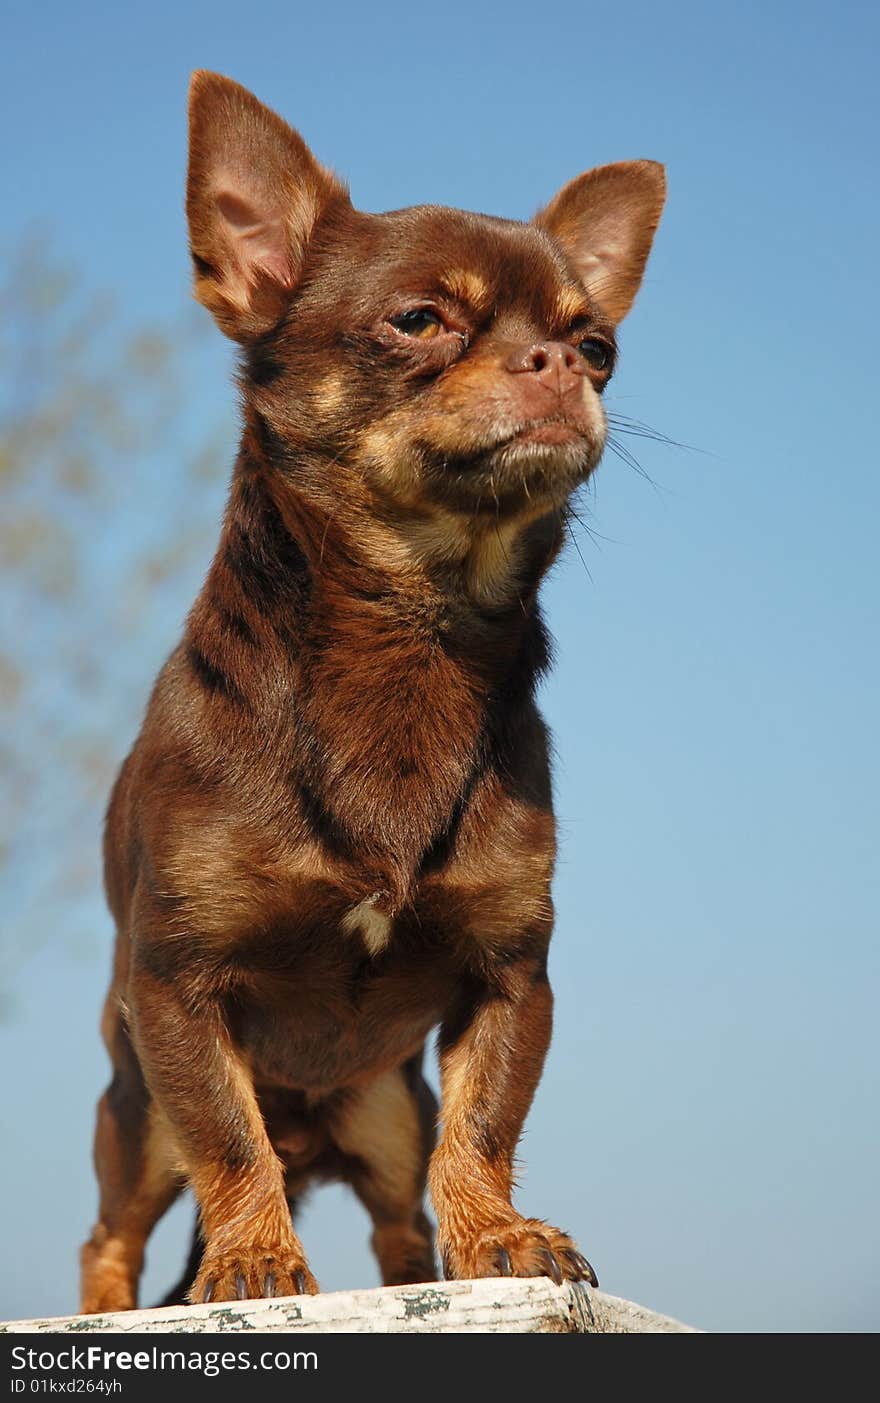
<point>707,1123</point>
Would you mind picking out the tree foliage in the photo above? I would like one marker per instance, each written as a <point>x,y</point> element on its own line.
<point>112,462</point>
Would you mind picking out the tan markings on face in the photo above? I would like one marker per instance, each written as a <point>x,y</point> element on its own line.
<point>379,1123</point>
<point>373,926</point>
<point>384,448</point>
<point>329,393</point>
<point>421,533</point>
<point>476,404</point>
<point>467,286</point>
<point>569,305</point>
<point>475,407</point>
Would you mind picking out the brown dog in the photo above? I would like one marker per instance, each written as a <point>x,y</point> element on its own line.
<point>335,831</point>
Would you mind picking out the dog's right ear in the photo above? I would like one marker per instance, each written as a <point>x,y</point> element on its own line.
<point>254,194</point>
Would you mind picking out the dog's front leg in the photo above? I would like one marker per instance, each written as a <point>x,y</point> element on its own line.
<point>203,1088</point>
<point>492,1050</point>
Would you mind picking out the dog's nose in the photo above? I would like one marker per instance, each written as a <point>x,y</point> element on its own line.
<point>554,363</point>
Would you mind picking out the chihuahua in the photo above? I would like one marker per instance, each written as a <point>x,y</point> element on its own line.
<point>335,832</point>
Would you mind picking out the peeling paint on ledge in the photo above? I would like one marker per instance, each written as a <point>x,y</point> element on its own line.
<point>493,1306</point>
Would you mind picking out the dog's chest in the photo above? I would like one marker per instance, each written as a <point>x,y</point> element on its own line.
<point>324,1012</point>
<point>390,726</point>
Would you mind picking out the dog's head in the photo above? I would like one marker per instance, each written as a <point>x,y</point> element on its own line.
<point>445,359</point>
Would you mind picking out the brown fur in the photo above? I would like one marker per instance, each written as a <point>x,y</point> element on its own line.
<point>335,830</point>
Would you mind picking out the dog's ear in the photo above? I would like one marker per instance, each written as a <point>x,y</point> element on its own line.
<point>605,221</point>
<point>254,194</point>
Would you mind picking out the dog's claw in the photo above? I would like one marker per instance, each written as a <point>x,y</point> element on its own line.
<point>503,1262</point>
<point>552,1266</point>
<point>208,1293</point>
<point>269,1285</point>
<point>582,1267</point>
<point>299,1280</point>
<point>240,1286</point>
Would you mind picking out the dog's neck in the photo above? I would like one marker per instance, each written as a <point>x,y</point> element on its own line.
<point>310,565</point>
<point>398,688</point>
<point>481,562</point>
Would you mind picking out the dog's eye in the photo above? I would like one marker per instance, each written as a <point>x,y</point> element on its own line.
<point>422,323</point>
<point>597,354</point>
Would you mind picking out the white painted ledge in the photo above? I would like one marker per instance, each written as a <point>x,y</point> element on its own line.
<point>497,1306</point>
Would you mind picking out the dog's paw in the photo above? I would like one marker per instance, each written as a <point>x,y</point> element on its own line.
<point>521,1247</point>
<point>252,1274</point>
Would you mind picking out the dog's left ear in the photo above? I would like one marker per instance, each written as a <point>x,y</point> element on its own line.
<point>605,221</point>
<point>254,195</point>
